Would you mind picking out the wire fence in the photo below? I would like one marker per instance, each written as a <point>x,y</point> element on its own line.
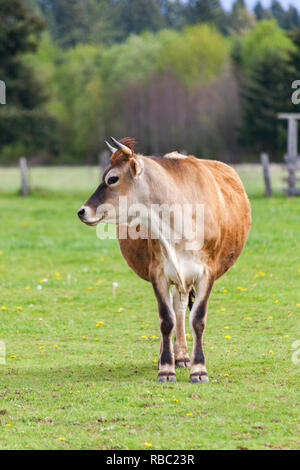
<point>87,178</point>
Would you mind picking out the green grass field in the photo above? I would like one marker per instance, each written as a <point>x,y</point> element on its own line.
<point>73,382</point>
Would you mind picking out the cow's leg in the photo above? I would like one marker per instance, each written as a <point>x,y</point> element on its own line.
<point>167,323</point>
<point>197,322</point>
<point>180,302</point>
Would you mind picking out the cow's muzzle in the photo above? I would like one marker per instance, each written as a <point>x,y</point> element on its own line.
<point>87,216</point>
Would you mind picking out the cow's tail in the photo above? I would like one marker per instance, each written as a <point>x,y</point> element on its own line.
<point>192,297</point>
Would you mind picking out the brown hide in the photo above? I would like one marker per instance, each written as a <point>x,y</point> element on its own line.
<point>227,213</point>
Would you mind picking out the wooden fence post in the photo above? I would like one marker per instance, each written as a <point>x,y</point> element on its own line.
<point>264,158</point>
<point>24,176</point>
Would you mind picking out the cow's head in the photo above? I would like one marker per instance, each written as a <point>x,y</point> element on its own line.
<point>121,178</point>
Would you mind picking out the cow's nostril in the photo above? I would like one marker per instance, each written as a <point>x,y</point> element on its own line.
<point>81,213</point>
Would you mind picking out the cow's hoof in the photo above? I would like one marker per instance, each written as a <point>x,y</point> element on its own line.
<point>201,377</point>
<point>183,363</point>
<point>161,379</point>
<point>165,376</point>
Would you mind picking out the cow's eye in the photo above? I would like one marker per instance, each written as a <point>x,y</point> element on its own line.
<point>112,180</point>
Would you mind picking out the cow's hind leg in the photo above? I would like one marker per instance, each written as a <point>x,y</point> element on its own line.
<point>167,323</point>
<point>197,322</point>
<point>180,302</point>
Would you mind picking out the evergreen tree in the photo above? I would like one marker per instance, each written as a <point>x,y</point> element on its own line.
<point>264,93</point>
<point>21,119</point>
<point>262,13</point>
<point>277,11</point>
<point>173,12</point>
<point>137,16</point>
<point>240,20</point>
<point>206,11</point>
<point>294,55</point>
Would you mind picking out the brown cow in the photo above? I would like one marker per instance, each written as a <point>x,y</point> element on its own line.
<point>192,262</point>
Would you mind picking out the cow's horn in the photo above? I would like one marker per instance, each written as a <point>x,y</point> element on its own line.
<point>111,148</point>
<point>123,148</point>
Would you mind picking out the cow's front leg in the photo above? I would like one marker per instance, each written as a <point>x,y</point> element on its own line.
<point>197,322</point>
<point>167,323</point>
<point>180,301</point>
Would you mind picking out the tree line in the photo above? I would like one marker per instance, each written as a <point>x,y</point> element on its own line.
<point>176,75</point>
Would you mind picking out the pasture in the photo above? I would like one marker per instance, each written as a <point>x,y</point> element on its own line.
<point>81,364</point>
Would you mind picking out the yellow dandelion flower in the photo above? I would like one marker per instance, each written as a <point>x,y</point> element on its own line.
<point>226,327</point>
<point>90,288</point>
<point>189,414</point>
<point>175,400</point>
<point>228,350</point>
<point>8,424</point>
<point>261,273</point>
<point>12,356</point>
<point>188,335</point>
<point>147,444</point>
<point>235,350</point>
<point>120,310</point>
<point>99,282</point>
<point>227,337</point>
<point>3,307</point>
<point>62,439</point>
<point>239,288</point>
<point>83,337</point>
<point>270,318</point>
<point>99,323</point>
<point>286,336</point>
<point>249,318</point>
<point>42,347</point>
<point>144,337</point>
<point>225,375</point>
<point>224,291</point>
<point>27,287</point>
<point>55,346</point>
<point>222,309</point>
<point>20,309</point>
<point>96,339</point>
<point>276,301</point>
<point>271,352</point>
<point>155,360</point>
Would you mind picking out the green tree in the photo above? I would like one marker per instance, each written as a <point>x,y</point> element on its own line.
<point>265,85</point>
<point>267,37</point>
<point>23,122</point>
<point>262,13</point>
<point>240,20</point>
<point>265,92</point>
<point>206,11</point>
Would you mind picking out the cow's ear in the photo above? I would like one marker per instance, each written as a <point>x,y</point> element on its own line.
<point>136,167</point>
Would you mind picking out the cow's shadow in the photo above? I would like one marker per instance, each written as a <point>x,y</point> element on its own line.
<point>97,373</point>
